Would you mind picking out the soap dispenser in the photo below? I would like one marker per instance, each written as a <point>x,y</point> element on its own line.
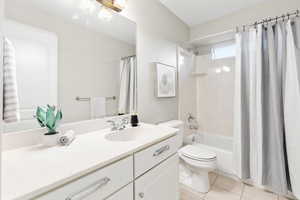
<point>134,120</point>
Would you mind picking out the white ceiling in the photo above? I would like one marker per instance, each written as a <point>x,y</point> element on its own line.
<point>119,27</point>
<point>195,12</point>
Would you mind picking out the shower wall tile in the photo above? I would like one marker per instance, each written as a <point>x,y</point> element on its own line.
<point>215,98</point>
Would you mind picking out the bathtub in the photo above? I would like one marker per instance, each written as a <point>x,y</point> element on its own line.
<point>221,145</point>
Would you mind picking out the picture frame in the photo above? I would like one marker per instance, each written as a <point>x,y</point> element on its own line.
<point>166,83</point>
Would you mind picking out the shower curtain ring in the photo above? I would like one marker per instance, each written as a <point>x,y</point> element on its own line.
<point>265,22</point>
<point>269,20</point>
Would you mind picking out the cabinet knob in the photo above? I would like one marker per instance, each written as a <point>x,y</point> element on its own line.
<point>141,194</point>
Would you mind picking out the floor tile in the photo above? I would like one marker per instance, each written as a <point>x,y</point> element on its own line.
<point>229,185</point>
<point>212,178</point>
<point>285,198</point>
<point>220,194</point>
<point>187,193</point>
<point>253,193</point>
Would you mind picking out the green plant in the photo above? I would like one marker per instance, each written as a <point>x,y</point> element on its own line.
<point>49,117</point>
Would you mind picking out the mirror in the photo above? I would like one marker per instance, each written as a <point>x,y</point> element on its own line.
<point>76,55</point>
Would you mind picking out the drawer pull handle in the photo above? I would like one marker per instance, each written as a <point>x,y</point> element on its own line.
<point>87,191</point>
<point>161,150</point>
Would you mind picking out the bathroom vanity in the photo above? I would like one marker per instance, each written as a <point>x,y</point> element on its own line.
<point>139,163</point>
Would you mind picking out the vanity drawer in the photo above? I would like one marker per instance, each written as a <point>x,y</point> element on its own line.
<point>97,185</point>
<point>148,158</point>
<point>125,194</point>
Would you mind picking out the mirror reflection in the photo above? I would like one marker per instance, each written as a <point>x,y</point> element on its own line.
<point>75,55</point>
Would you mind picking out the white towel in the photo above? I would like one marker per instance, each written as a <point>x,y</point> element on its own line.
<point>67,138</point>
<point>10,88</point>
<point>98,107</point>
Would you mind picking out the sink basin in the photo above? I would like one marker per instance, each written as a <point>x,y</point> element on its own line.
<point>129,134</point>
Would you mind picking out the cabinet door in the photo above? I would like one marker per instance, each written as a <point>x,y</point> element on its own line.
<point>160,183</point>
<point>125,194</point>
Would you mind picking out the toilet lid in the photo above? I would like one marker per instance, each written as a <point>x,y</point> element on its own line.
<point>197,153</point>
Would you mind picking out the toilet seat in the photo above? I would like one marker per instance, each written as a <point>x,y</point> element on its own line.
<point>198,154</point>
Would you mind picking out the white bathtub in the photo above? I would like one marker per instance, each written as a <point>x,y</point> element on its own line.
<point>222,146</point>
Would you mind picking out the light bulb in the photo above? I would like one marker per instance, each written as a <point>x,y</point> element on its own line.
<point>121,3</point>
<point>105,14</point>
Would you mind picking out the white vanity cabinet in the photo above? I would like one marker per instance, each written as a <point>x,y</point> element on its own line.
<point>160,183</point>
<point>151,174</point>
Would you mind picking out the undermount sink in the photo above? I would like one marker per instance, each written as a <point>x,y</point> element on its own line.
<point>129,134</point>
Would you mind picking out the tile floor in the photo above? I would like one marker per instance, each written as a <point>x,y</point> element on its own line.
<point>223,188</point>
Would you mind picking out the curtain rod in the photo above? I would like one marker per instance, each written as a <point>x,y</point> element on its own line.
<point>238,28</point>
<point>269,20</point>
<point>128,57</point>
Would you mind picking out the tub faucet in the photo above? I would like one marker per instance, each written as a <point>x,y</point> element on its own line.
<point>192,122</point>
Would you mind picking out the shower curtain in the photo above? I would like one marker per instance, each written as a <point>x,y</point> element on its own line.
<point>128,86</point>
<point>267,106</point>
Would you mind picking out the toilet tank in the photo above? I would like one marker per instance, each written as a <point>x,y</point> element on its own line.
<point>175,124</point>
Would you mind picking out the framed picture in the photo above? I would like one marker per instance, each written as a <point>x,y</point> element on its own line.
<point>165,81</point>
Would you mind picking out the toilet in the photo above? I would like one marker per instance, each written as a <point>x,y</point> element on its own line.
<point>196,161</point>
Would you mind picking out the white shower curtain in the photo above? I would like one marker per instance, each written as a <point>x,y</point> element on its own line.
<point>267,106</point>
<point>128,86</point>
<point>292,104</point>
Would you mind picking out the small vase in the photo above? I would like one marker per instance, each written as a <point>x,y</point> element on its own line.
<point>50,140</point>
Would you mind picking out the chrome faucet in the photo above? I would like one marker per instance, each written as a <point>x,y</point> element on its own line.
<point>118,126</point>
<point>114,125</point>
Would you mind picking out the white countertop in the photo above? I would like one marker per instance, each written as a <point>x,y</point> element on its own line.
<point>31,171</point>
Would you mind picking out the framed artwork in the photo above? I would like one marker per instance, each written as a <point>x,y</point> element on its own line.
<point>165,81</point>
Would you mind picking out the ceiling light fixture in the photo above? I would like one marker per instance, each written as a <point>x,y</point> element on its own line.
<point>103,9</point>
<point>116,5</point>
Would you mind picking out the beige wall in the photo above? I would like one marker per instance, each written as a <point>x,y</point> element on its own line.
<point>159,32</point>
<point>88,61</point>
<point>269,8</point>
